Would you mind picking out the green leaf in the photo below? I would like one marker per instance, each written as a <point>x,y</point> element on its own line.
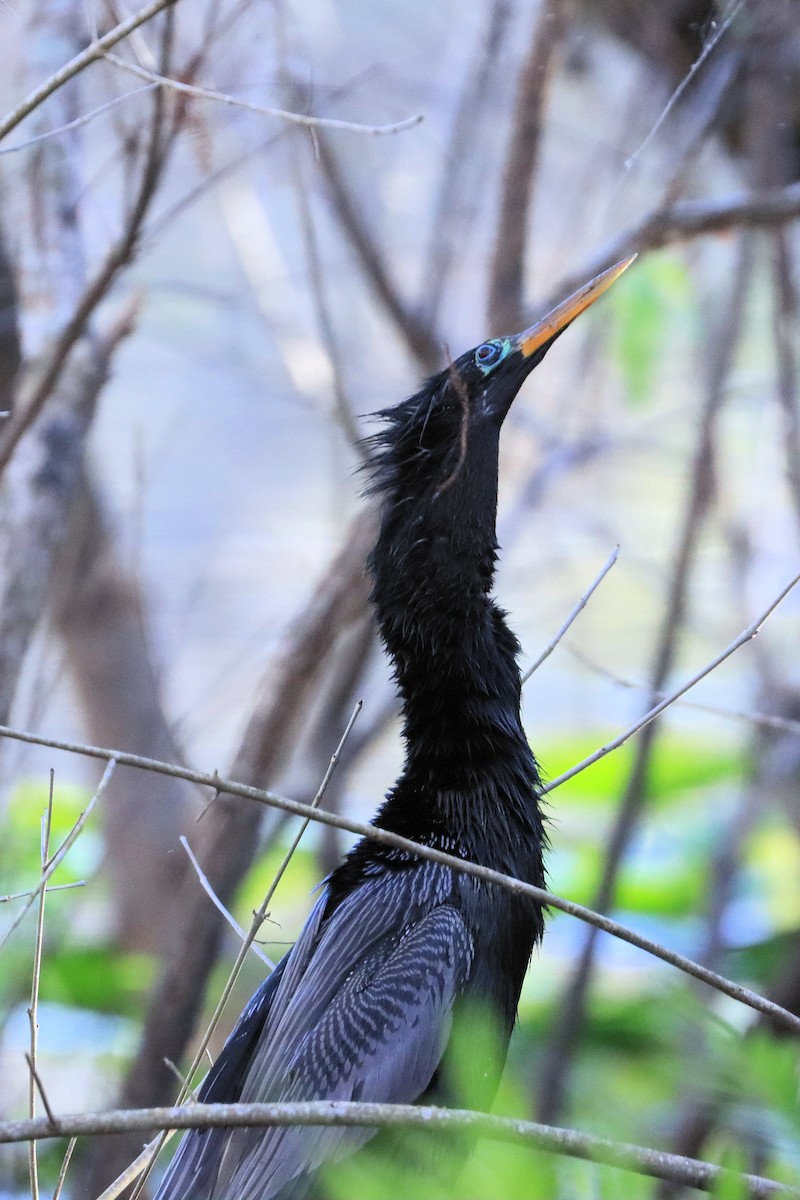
<point>648,304</point>
<point>97,977</point>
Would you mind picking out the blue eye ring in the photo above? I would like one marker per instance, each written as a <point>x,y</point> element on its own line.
<point>488,354</point>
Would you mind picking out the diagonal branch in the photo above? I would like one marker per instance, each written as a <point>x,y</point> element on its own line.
<point>95,50</point>
<point>593,918</point>
<point>420,339</point>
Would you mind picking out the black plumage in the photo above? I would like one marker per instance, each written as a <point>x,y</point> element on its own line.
<point>363,1005</point>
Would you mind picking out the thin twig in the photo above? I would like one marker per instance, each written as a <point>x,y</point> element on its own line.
<point>745,636</point>
<point>33,1011</point>
<point>420,338</point>
<point>569,1142</point>
<point>751,716</point>
<point>95,50</point>
<point>212,178</point>
<point>577,610</point>
<point>476,870</point>
<point>62,1174</point>
<point>294,118</point>
<point>94,292</point>
<point>78,122</point>
<point>341,402</point>
<point>459,196</point>
<point>784,324</point>
<point>64,848</point>
<point>215,900</point>
<point>57,887</point>
<point>710,45</point>
<point>37,1079</point>
<point>682,221</point>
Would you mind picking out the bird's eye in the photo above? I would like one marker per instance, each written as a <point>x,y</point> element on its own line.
<point>488,354</point>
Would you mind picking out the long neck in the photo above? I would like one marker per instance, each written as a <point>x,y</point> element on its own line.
<point>467,757</point>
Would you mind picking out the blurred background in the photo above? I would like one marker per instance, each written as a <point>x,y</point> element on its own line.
<point>200,305</point>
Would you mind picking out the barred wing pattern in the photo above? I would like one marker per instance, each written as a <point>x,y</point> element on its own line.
<point>361,1011</point>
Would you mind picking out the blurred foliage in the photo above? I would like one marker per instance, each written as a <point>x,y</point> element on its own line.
<point>645,1024</point>
<point>652,306</point>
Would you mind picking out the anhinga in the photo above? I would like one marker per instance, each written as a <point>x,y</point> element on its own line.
<point>363,1005</point>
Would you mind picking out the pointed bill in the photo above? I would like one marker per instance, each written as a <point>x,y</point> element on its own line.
<point>564,314</point>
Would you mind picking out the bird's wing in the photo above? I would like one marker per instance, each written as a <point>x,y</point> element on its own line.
<point>194,1168</point>
<point>362,1014</point>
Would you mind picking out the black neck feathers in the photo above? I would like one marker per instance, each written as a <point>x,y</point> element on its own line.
<point>468,765</point>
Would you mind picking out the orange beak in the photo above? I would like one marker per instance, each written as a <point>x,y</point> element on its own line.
<point>531,340</point>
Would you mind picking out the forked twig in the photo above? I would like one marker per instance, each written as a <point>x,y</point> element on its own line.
<point>54,862</point>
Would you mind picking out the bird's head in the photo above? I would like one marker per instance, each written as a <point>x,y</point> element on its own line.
<point>444,439</point>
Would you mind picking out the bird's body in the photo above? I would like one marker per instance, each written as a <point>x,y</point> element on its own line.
<point>396,947</point>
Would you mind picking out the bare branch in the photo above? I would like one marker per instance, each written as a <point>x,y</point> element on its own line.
<point>751,716</point>
<point>98,611</point>
<point>457,203</point>
<point>294,118</point>
<point>684,220</point>
<point>63,849</point>
<point>57,887</point>
<point>517,886</point>
<point>95,50</point>
<point>232,832</point>
<point>78,122</point>
<point>784,324</point>
<point>420,339</point>
<point>33,1012</point>
<point>721,29</point>
<point>745,636</point>
<point>341,402</point>
<point>91,296</point>
<point>42,481</point>
<point>62,1174</point>
<point>643,1161</point>
<point>37,1079</point>
<point>258,920</point>
<point>215,900</point>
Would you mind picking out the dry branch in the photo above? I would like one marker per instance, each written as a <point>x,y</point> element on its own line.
<point>293,118</point>
<point>422,342</point>
<point>596,919</point>
<point>657,1164</point>
<point>682,221</point>
<point>457,203</point>
<point>94,51</point>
